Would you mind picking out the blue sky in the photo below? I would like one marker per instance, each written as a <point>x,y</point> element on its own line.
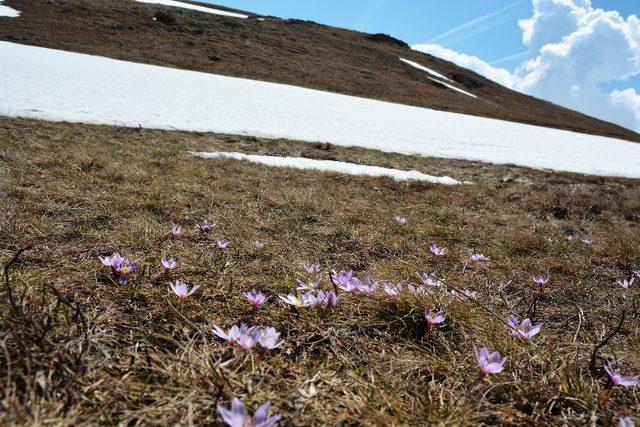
<point>487,29</point>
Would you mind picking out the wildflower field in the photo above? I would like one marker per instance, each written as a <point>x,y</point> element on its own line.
<point>144,286</point>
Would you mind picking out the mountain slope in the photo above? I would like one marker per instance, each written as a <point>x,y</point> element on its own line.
<point>285,51</point>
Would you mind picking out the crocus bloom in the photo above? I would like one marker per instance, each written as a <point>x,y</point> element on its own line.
<point>626,422</point>
<point>434,318</point>
<point>393,290</point>
<point>238,416</point>
<point>311,268</point>
<point>478,257</point>
<point>222,245</point>
<point>256,299</point>
<point>525,330</point>
<point>206,226</point>
<point>293,300</point>
<point>327,300</point>
<point>257,244</point>
<point>120,266</point>
<point>248,340</point>
<point>176,230</point>
<point>540,280</point>
<point>400,220</point>
<point>430,280</point>
<point>169,264</point>
<point>234,334</point>
<point>127,267</point>
<point>311,286</point>
<point>626,283</point>
<point>438,251</point>
<point>344,280</point>
<point>489,363</point>
<point>267,339</point>
<point>112,261</point>
<point>367,286</point>
<point>586,241</point>
<point>617,379</point>
<point>182,290</point>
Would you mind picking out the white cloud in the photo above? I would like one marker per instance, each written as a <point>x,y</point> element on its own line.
<point>572,48</point>
<point>500,75</point>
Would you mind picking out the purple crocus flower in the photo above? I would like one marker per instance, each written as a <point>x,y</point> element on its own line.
<point>126,267</point>
<point>311,286</point>
<point>112,261</point>
<point>490,363</point>
<point>344,280</point>
<point>430,280</point>
<point>626,422</point>
<point>626,283</point>
<point>120,266</point>
<point>267,339</point>
<point>400,220</point>
<point>478,257</point>
<point>438,251</point>
<point>169,264</point>
<point>182,290</point>
<point>256,299</point>
<point>540,280</point>
<point>262,418</point>
<point>222,245</point>
<point>525,330</point>
<point>237,415</point>
<point>247,337</point>
<point>367,286</point>
<point>617,379</point>
<point>206,226</point>
<point>393,290</point>
<point>312,268</point>
<point>309,300</point>
<point>434,318</point>
<point>176,230</point>
<point>248,340</point>
<point>293,300</point>
<point>257,244</point>
<point>326,300</point>
<point>233,336</point>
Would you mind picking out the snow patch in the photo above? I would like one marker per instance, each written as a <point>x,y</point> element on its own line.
<point>430,71</point>
<point>452,87</point>
<point>56,85</point>
<point>174,3</point>
<point>8,12</point>
<point>331,166</point>
<point>423,68</point>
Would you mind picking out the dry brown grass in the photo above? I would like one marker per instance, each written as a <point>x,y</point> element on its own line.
<point>74,192</point>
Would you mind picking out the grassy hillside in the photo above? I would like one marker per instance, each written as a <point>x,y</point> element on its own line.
<point>81,348</point>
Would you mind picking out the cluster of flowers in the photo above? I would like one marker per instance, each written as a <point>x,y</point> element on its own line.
<point>319,299</point>
<point>265,339</point>
<point>348,282</point>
